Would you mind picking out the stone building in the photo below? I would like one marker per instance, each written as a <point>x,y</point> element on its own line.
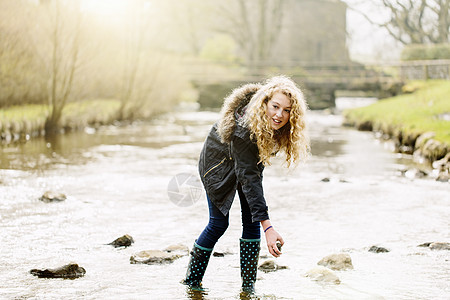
<point>313,31</point>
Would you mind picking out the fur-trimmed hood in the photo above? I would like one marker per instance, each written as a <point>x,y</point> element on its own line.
<point>232,109</point>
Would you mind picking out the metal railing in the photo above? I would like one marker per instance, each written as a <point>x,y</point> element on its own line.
<point>332,71</point>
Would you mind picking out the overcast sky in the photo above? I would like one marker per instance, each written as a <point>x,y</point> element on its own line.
<point>367,42</point>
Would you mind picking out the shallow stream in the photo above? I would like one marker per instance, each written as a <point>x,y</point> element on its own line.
<point>348,197</point>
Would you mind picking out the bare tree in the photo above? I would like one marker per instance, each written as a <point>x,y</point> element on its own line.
<point>60,56</point>
<point>191,20</point>
<point>145,69</point>
<point>415,21</point>
<point>134,39</point>
<point>19,80</point>
<point>254,25</point>
<point>442,10</point>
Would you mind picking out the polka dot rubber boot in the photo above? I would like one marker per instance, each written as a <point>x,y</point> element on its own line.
<point>249,263</point>
<point>197,266</point>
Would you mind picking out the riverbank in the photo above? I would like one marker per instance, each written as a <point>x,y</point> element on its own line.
<point>21,123</point>
<point>418,122</point>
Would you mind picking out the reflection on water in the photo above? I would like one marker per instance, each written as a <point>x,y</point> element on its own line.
<point>71,148</point>
<point>116,181</point>
<point>343,103</point>
<point>196,294</point>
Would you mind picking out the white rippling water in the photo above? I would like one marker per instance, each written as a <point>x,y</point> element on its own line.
<point>116,182</point>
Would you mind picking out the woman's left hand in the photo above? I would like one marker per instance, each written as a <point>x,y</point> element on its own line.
<point>272,236</point>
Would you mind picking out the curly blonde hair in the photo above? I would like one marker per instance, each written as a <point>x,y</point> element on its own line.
<point>292,138</point>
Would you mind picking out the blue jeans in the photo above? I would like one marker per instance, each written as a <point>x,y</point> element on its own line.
<point>218,224</point>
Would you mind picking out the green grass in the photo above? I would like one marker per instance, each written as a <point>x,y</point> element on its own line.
<point>418,112</point>
<point>91,111</point>
<point>31,112</point>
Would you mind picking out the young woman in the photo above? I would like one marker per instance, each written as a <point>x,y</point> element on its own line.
<point>256,122</point>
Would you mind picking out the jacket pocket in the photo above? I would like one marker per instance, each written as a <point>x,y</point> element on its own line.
<point>214,168</point>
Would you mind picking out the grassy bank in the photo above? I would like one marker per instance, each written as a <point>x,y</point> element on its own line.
<point>26,121</point>
<point>407,117</point>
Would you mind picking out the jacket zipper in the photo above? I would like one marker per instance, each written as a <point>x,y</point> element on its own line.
<point>215,166</point>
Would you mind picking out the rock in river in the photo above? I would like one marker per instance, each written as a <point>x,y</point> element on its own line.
<point>341,261</point>
<point>152,257</point>
<point>70,271</point>
<point>440,246</point>
<point>50,196</point>
<point>270,266</point>
<point>323,275</point>
<point>436,245</point>
<point>376,249</point>
<point>124,241</point>
<point>443,176</point>
<point>177,249</point>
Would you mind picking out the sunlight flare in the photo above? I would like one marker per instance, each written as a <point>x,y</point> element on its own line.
<point>105,7</point>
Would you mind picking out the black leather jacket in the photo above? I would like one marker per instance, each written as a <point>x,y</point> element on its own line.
<point>223,165</point>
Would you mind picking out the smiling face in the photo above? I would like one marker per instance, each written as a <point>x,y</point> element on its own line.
<point>278,110</point>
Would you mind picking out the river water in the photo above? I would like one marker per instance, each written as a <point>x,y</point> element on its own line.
<point>116,181</point>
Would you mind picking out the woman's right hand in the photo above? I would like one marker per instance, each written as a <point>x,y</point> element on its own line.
<point>272,236</point>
